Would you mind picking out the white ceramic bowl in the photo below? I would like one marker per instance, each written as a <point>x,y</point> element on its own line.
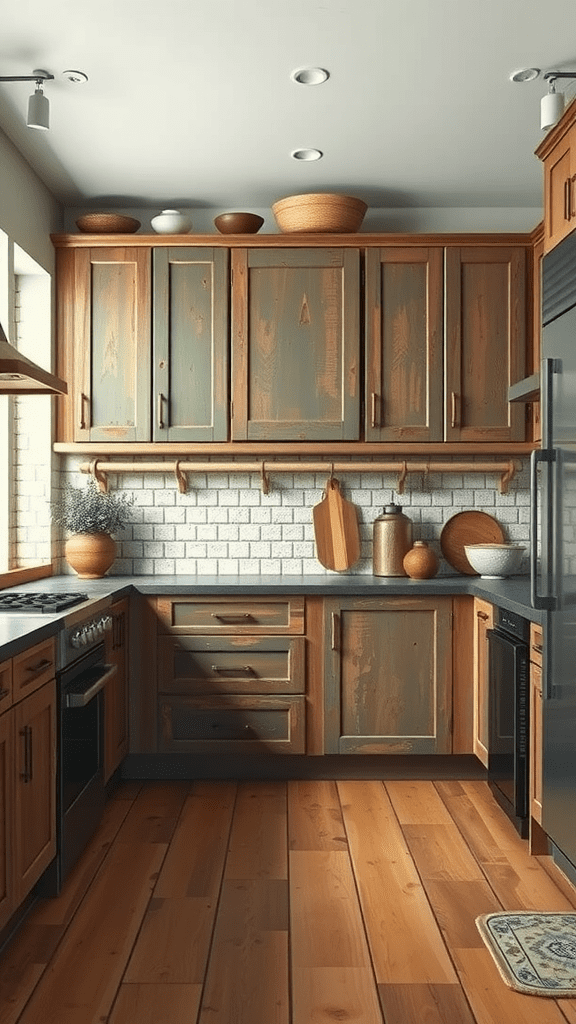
<point>171,222</point>
<point>494,561</point>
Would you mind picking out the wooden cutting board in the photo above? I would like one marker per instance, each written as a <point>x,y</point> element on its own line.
<point>336,529</point>
<point>468,528</point>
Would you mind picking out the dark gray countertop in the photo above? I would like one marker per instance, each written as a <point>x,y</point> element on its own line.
<point>18,631</point>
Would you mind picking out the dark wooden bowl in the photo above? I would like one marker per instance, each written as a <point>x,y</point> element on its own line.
<point>238,223</point>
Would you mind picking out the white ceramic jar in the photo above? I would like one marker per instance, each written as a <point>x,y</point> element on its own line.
<point>171,222</point>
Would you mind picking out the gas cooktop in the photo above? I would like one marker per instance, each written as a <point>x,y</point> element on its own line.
<point>39,602</point>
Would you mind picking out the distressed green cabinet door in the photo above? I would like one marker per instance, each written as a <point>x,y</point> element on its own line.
<point>404,312</point>
<point>485,342</point>
<point>190,343</point>
<point>388,676</point>
<point>295,344</point>
<point>112,344</point>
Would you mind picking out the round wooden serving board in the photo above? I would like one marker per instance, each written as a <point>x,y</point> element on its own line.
<point>468,528</point>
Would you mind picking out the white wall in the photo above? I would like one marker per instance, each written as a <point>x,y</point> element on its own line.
<point>28,211</point>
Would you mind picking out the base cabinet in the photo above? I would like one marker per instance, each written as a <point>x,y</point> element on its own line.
<point>483,621</point>
<point>388,676</point>
<point>231,675</point>
<point>27,775</point>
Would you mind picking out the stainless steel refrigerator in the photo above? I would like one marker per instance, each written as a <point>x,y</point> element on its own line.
<point>553,547</point>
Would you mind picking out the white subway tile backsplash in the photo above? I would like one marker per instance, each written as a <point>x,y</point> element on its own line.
<point>226,525</point>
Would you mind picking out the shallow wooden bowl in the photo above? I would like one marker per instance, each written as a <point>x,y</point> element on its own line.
<point>238,223</point>
<point>319,211</point>
<point>107,224</point>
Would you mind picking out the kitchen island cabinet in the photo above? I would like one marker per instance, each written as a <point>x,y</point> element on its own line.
<point>388,676</point>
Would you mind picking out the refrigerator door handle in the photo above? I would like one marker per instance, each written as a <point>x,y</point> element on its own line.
<point>546,601</point>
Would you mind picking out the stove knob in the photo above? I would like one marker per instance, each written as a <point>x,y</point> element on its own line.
<point>76,639</point>
<point>106,622</point>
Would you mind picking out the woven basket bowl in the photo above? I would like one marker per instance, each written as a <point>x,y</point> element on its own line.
<point>319,211</point>
<point>107,224</point>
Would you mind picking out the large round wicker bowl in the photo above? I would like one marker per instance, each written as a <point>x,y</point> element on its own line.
<point>107,224</point>
<point>319,211</point>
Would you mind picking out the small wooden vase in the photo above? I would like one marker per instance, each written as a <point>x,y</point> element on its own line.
<point>90,554</point>
<point>420,563</point>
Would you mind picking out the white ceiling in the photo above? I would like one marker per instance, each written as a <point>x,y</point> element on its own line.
<point>191,104</point>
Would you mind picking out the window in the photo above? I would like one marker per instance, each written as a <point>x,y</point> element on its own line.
<point>25,420</point>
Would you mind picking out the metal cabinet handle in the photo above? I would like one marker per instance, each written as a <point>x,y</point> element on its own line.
<point>454,420</point>
<point>160,411</point>
<point>538,648</point>
<point>373,416</point>
<point>81,416</point>
<point>571,204</point>
<point>232,617</point>
<point>567,199</point>
<point>26,773</point>
<point>223,671</point>
<point>482,615</point>
<point>40,667</point>
<point>335,642</point>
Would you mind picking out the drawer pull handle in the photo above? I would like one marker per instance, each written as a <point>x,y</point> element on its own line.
<point>233,617</point>
<point>40,667</point>
<point>26,734</point>
<point>223,671</point>
<point>482,615</point>
<point>537,647</point>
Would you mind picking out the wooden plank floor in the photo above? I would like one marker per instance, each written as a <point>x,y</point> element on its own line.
<point>284,903</point>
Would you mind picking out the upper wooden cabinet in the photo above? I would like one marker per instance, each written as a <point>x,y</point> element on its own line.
<point>190,344</point>
<point>485,344</point>
<point>558,151</point>
<point>296,344</point>
<point>104,303</point>
<point>155,339</point>
<point>443,345</point>
<point>404,329</point>
<point>145,351</point>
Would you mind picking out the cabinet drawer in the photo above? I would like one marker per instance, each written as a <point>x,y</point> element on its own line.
<point>232,724</point>
<point>232,615</point>
<point>5,684</point>
<point>221,664</point>
<point>536,643</point>
<point>33,668</point>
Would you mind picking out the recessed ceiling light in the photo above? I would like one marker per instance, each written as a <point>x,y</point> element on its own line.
<point>306,154</point>
<point>76,77</point>
<point>524,75</point>
<point>310,76</point>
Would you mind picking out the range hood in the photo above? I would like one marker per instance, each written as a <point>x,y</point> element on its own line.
<point>20,376</point>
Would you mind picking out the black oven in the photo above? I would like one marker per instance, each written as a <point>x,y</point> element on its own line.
<point>508,715</point>
<point>80,791</point>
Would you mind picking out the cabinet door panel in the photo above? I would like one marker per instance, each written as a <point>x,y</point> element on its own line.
<point>232,724</point>
<point>389,677</point>
<point>35,813</point>
<point>7,904</point>
<point>296,336</point>
<point>190,344</point>
<point>485,342</point>
<point>112,344</point>
<point>404,293</point>
<point>215,665</point>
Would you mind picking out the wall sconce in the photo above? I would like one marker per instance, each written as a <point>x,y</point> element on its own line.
<point>38,105</point>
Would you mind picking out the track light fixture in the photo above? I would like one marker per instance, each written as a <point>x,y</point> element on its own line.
<point>551,105</point>
<point>38,106</point>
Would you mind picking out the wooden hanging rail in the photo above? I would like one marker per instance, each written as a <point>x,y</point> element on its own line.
<point>100,469</point>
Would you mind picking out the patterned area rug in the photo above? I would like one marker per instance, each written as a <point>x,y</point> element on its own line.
<point>535,953</point>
